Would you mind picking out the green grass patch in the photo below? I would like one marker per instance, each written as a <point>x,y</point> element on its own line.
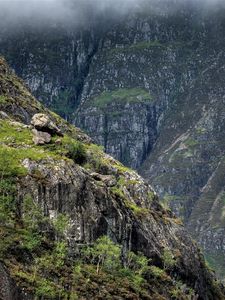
<point>191,142</point>
<point>141,46</point>
<point>137,210</point>
<point>135,95</point>
<point>3,99</point>
<point>14,134</point>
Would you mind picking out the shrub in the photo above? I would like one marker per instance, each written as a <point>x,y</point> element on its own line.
<point>157,273</point>
<point>76,151</point>
<point>168,259</point>
<point>46,288</point>
<point>61,224</point>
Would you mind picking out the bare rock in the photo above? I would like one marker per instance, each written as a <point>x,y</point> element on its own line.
<point>58,142</point>
<point>40,137</point>
<point>8,289</point>
<point>3,115</point>
<point>42,122</point>
<point>109,180</point>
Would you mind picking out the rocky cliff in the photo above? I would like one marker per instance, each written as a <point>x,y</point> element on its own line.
<point>59,197</point>
<point>149,88</point>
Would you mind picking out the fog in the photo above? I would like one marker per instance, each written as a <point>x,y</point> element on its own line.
<point>80,12</point>
<point>75,12</point>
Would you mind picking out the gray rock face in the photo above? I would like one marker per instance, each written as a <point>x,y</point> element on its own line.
<point>93,212</point>
<point>123,129</point>
<point>8,289</point>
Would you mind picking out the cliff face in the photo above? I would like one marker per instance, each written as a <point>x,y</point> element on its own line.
<point>191,163</point>
<point>97,196</point>
<point>44,54</point>
<point>149,88</point>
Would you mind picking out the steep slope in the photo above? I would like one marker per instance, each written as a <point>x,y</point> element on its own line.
<point>56,201</point>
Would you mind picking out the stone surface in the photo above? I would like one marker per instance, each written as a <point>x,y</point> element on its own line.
<point>42,122</point>
<point>8,289</point>
<point>40,137</point>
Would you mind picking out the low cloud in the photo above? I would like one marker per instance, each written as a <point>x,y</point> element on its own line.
<point>80,12</point>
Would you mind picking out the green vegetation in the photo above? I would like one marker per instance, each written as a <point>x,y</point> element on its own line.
<point>216,261</point>
<point>191,142</point>
<point>95,157</point>
<point>61,223</point>
<point>10,163</point>
<point>62,103</point>
<point>16,145</point>
<point>107,257</point>
<point>141,46</point>
<point>118,191</point>
<point>168,199</point>
<point>136,95</point>
<point>158,273</point>
<point>151,196</point>
<point>180,289</point>
<point>169,261</point>
<point>137,210</point>
<point>13,133</point>
<point>50,271</point>
<point>3,99</point>
<point>105,253</point>
<point>76,151</point>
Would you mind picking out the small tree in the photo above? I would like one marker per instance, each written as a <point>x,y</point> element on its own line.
<point>168,259</point>
<point>61,224</point>
<point>105,253</point>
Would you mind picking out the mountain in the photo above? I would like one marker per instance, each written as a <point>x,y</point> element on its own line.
<point>64,204</point>
<point>149,88</point>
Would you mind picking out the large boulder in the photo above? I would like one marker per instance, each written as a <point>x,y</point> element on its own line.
<point>42,122</point>
<point>40,137</point>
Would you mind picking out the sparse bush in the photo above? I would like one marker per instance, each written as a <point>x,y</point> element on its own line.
<point>61,223</point>
<point>76,151</point>
<point>46,288</point>
<point>168,259</point>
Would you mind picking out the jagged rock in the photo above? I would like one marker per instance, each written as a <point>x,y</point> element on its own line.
<point>42,122</point>
<point>8,289</point>
<point>40,137</point>
<point>107,179</point>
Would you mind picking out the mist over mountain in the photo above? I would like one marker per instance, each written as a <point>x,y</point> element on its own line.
<point>78,13</point>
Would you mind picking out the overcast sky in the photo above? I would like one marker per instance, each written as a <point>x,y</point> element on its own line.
<point>74,11</point>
